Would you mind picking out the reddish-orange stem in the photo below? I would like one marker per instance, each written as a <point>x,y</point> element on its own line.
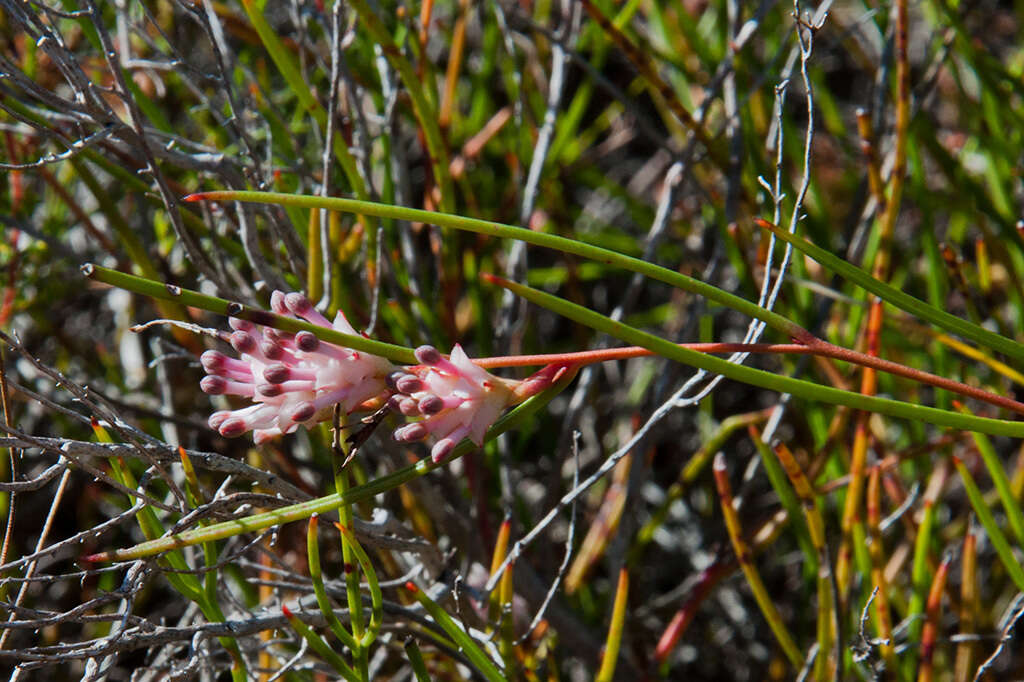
<point>815,346</point>
<point>931,626</point>
<point>587,357</point>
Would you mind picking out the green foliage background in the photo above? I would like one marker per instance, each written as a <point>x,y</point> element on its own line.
<point>660,130</point>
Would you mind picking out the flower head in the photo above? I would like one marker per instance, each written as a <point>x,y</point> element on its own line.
<point>455,398</point>
<point>292,379</point>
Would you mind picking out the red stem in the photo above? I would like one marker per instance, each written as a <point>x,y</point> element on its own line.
<point>813,346</point>
<point>587,357</point>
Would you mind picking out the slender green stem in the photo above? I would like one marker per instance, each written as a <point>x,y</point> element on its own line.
<point>339,450</point>
<point>317,643</point>
<point>780,483</point>
<point>745,558</point>
<point>894,296</point>
<point>1002,484</point>
<point>183,581</point>
<point>828,622</point>
<point>920,580</point>
<point>181,576</point>
<point>774,320</point>
<point>614,640</point>
<point>694,286</point>
<point>756,377</point>
<point>321,505</point>
<point>376,596</point>
<point>320,590</point>
<point>419,668</point>
<point>477,656</point>
<point>169,292</point>
<point>193,494</point>
<point>988,521</point>
<point>315,257</point>
<point>288,67</point>
<point>405,355</point>
<point>284,61</point>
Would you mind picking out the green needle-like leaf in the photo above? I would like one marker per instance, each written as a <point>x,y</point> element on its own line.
<point>321,505</point>
<point>167,292</point>
<point>988,521</point>
<point>905,302</point>
<point>376,597</point>
<point>761,378</point>
<point>477,656</point>
<point>317,643</point>
<point>551,241</point>
<point>320,590</point>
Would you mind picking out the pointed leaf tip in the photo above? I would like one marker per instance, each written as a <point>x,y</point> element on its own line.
<point>492,279</point>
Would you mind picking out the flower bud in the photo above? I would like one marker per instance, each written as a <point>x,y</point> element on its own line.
<point>212,361</point>
<point>411,432</point>
<point>269,390</point>
<point>428,355</point>
<point>233,427</point>
<point>303,412</point>
<point>408,384</point>
<point>218,418</point>
<point>391,380</point>
<point>271,349</point>
<point>243,342</point>
<point>307,342</point>
<point>277,303</point>
<point>431,405</point>
<point>442,449</point>
<point>213,385</point>
<point>278,373</point>
<point>409,407</point>
<point>298,304</point>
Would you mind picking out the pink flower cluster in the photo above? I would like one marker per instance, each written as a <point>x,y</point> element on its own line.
<point>296,379</point>
<point>292,379</point>
<point>455,398</point>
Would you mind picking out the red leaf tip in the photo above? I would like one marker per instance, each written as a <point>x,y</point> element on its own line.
<point>192,198</point>
<point>491,279</point>
<point>287,612</point>
<point>411,586</point>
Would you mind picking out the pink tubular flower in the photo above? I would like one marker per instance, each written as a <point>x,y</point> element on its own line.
<point>291,378</point>
<point>455,398</point>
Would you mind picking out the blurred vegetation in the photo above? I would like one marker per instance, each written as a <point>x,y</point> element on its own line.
<point>840,544</point>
